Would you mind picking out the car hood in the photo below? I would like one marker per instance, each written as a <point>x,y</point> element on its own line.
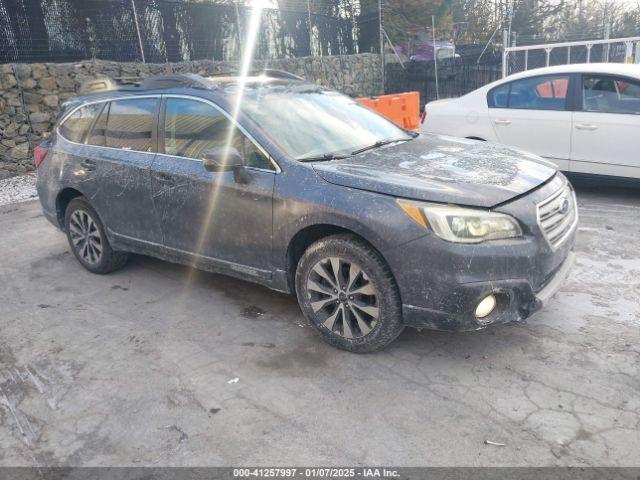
<point>444,169</point>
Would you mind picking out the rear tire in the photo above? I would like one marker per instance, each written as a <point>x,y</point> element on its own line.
<point>88,240</point>
<point>348,294</point>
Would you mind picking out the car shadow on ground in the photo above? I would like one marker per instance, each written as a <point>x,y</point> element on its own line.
<point>258,303</point>
<point>610,187</point>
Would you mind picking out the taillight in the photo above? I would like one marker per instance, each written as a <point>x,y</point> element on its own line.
<point>422,117</point>
<point>38,155</point>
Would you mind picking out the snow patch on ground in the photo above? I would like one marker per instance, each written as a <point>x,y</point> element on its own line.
<point>18,189</point>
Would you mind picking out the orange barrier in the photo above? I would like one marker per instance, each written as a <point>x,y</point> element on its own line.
<point>401,108</point>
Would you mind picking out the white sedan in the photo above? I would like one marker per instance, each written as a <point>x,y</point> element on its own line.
<point>583,117</point>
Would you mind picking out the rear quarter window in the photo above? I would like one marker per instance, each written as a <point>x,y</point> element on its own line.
<point>498,97</point>
<point>75,127</point>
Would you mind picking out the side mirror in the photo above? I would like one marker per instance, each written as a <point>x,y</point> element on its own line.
<point>222,159</point>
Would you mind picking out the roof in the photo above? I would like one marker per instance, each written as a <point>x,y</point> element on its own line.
<point>625,69</point>
<point>222,88</point>
<point>629,69</point>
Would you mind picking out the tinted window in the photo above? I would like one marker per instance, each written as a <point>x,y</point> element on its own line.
<point>191,127</point>
<point>610,95</point>
<point>539,93</point>
<point>75,127</point>
<point>97,135</point>
<point>130,124</point>
<point>499,96</point>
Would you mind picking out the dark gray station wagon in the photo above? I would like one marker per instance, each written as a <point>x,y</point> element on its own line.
<point>279,181</point>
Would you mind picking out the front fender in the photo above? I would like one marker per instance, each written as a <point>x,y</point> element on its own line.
<point>375,217</point>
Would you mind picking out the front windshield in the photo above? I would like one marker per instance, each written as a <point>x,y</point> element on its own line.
<point>308,122</point>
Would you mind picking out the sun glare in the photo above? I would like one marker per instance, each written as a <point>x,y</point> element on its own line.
<point>248,50</point>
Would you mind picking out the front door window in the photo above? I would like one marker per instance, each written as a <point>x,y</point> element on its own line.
<point>191,127</point>
<point>610,95</point>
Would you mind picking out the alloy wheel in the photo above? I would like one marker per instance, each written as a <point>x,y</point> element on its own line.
<point>343,298</point>
<point>85,236</point>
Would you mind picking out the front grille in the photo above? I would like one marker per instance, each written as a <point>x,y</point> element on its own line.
<point>557,215</point>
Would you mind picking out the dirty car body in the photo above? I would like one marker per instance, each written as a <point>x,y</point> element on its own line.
<point>372,235</point>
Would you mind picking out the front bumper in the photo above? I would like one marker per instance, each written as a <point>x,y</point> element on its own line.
<point>517,301</point>
<point>443,282</point>
<point>555,282</point>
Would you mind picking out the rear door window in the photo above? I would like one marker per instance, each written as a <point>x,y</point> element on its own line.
<point>610,95</point>
<point>130,124</point>
<point>539,93</point>
<point>556,88</point>
<point>75,127</point>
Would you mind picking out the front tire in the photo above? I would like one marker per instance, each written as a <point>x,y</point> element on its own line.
<point>348,294</point>
<point>87,239</point>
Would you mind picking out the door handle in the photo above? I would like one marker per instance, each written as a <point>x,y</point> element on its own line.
<point>164,178</point>
<point>586,126</point>
<point>502,122</point>
<point>88,164</point>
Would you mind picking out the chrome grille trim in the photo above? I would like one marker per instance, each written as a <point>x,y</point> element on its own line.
<point>556,225</point>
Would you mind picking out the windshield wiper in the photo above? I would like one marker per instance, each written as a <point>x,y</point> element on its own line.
<point>324,157</point>
<point>380,143</point>
<point>336,156</point>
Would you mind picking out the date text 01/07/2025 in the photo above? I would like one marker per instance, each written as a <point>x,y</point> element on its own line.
<point>315,472</point>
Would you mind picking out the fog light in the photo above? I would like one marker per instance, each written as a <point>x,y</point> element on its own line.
<point>486,306</point>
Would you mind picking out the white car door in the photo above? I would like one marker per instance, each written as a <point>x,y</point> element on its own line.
<point>605,138</point>
<point>531,114</point>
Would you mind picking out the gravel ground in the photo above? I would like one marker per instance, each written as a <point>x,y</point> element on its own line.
<point>18,189</point>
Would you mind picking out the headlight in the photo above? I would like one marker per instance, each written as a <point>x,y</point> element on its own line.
<point>462,225</point>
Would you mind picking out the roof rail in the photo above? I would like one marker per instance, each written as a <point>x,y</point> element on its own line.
<point>185,80</point>
<point>269,72</point>
<point>281,74</point>
<point>105,84</point>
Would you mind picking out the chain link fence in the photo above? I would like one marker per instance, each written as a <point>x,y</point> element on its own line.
<point>48,48</point>
<point>523,58</point>
<point>173,30</point>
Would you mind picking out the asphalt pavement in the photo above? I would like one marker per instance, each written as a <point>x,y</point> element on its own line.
<point>156,365</point>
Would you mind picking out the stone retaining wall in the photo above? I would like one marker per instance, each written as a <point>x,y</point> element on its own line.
<point>31,94</point>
